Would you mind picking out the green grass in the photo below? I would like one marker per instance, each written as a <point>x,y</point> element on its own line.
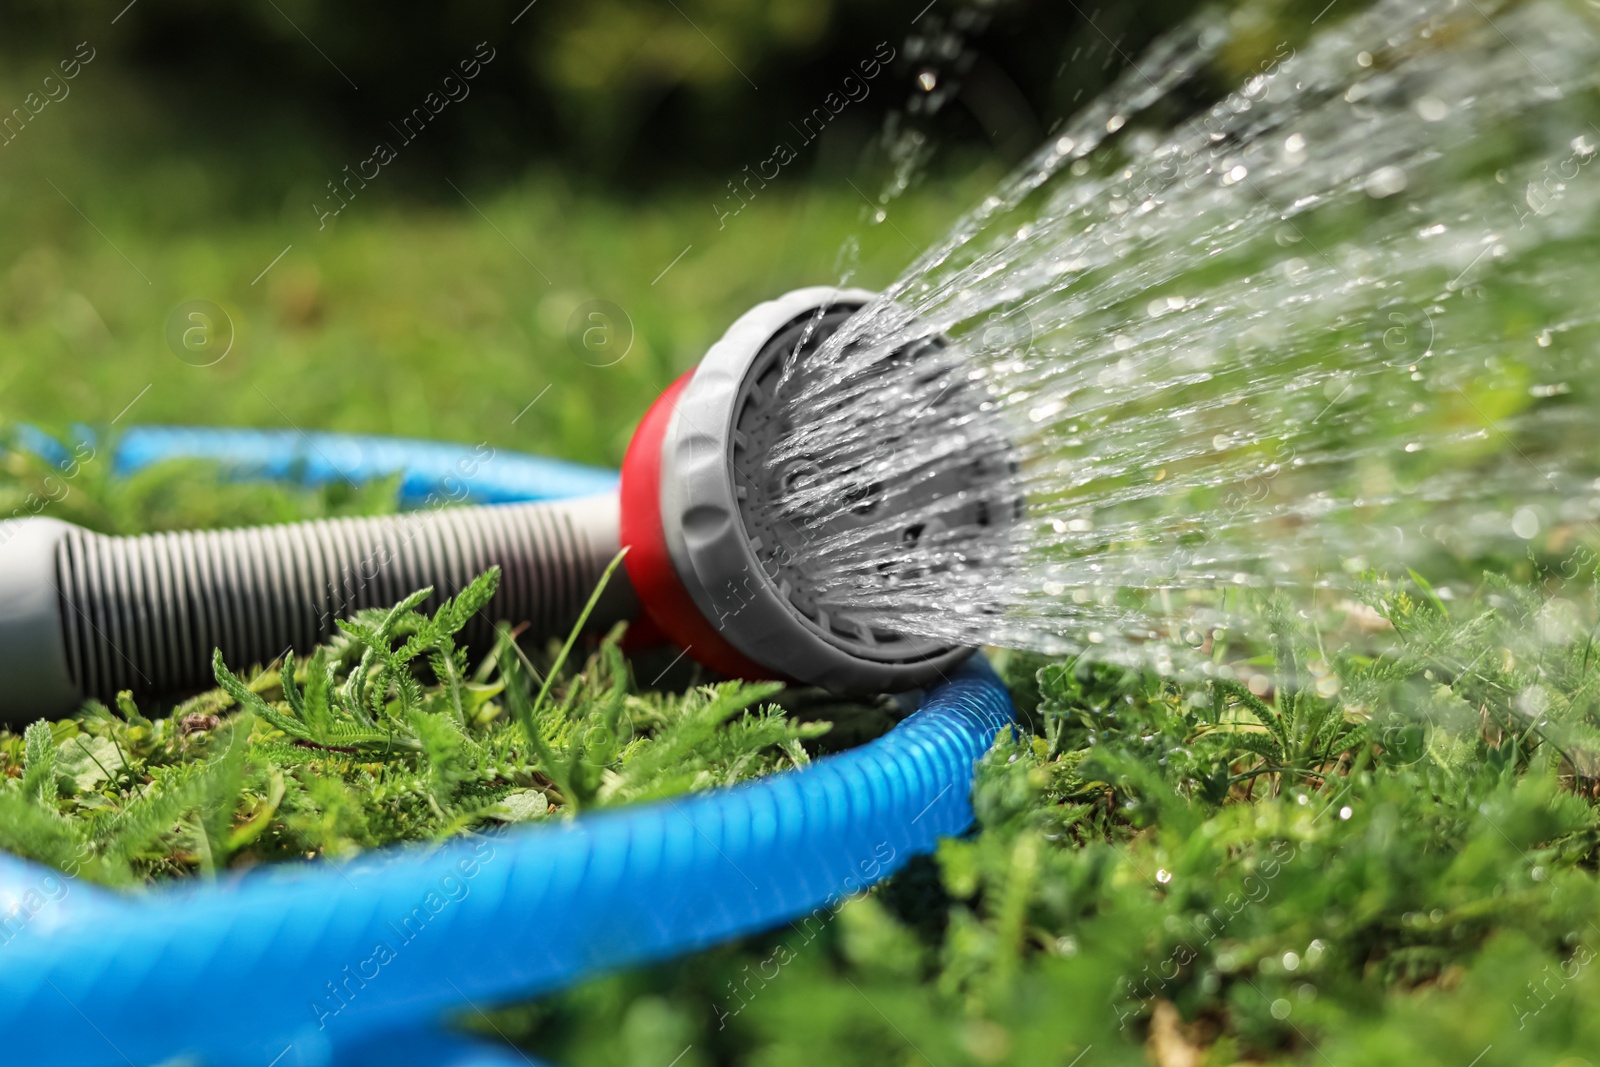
<point>1317,856</point>
<point>444,320</point>
<point>1399,870</point>
<point>387,733</point>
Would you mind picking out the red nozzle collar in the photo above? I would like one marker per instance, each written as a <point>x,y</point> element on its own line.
<point>662,595</point>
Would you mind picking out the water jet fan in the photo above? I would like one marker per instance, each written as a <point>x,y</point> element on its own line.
<point>718,563</point>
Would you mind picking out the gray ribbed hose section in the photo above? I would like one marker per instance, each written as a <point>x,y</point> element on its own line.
<point>143,613</point>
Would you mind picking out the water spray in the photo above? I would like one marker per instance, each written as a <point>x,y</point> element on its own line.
<point>1338,321</point>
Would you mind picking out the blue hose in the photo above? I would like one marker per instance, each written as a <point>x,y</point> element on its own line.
<point>428,469</point>
<point>356,962</point>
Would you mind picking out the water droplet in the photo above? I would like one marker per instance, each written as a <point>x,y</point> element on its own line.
<point>1364,59</point>
<point>1385,182</point>
<point>1115,123</point>
<point>1163,876</point>
<point>1291,961</point>
<point>1525,523</point>
<point>927,80</point>
<point>1432,109</point>
<point>1046,411</point>
<point>1346,811</point>
<point>1533,701</point>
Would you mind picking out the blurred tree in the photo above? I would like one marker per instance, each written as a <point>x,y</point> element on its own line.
<point>632,92</point>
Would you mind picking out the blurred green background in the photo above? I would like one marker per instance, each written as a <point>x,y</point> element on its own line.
<point>589,159</point>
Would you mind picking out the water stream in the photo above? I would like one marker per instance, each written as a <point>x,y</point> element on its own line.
<point>1343,317</point>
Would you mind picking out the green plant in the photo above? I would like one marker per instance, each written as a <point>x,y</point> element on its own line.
<point>386,733</point>
<point>1311,857</point>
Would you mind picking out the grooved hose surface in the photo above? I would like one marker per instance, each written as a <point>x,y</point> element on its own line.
<point>143,613</point>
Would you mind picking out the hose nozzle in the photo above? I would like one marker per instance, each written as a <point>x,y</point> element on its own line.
<point>722,561</point>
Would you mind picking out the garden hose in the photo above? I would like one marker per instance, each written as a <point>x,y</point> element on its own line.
<point>310,964</point>
<point>713,564</point>
<point>356,962</point>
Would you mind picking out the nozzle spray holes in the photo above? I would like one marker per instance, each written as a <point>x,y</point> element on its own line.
<point>600,333</point>
<point>797,477</point>
<point>863,499</point>
<point>199,332</point>
<point>859,497</point>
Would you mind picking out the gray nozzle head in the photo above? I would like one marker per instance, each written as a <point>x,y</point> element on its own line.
<point>741,553</point>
